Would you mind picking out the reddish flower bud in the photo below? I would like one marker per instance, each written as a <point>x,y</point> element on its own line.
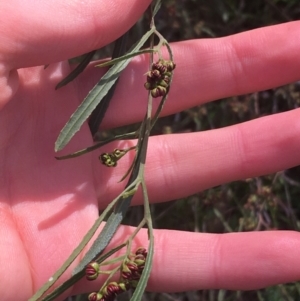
<point>159,66</point>
<point>95,297</point>
<point>140,260</point>
<point>111,290</point>
<point>132,266</point>
<point>139,257</point>
<point>141,251</point>
<point>126,275</point>
<point>163,83</point>
<point>108,160</point>
<point>168,74</point>
<point>123,286</point>
<point>170,65</point>
<point>92,271</point>
<point>136,275</point>
<point>148,86</point>
<point>166,78</point>
<point>155,74</point>
<point>125,268</point>
<point>158,91</point>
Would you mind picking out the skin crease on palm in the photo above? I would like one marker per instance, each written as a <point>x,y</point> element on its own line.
<point>46,206</point>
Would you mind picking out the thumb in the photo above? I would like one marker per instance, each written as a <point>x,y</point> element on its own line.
<point>34,33</point>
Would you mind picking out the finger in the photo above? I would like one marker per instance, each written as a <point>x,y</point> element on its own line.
<point>183,164</point>
<point>237,261</point>
<point>38,33</point>
<point>208,69</point>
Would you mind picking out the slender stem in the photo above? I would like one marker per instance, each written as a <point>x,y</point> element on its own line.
<point>112,273</point>
<point>114,260</point>
<point>132,236</point>
<point>98,145</point>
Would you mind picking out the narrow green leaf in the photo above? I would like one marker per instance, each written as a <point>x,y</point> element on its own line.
<point>156,8</point>
<point>81,66</point>
<point>122,205</point>
<point>104,237</point>
<point>100,111</point>
<point>110,227</point>
<point>97,145</point>
<point>124,57</point>
<point>94,97</point>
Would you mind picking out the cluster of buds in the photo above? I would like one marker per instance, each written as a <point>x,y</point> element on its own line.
<point>158,78</point>
<point>133,267</point>
<point>131,271</point>
<point>111,159</point>
<point>109,292</point>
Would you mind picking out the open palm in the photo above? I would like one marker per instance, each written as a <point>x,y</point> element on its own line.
<point>46,206</point>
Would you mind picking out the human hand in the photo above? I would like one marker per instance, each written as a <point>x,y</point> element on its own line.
<point>48,205</point>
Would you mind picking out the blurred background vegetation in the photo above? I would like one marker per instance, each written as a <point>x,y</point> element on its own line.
<point>263,203</point>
